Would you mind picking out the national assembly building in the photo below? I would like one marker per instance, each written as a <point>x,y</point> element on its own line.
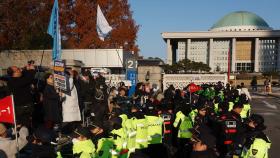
<point>241,40</point>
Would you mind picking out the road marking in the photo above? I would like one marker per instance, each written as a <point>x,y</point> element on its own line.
<point>263,109</point>
<point>259,96</point>
<point>266,113</point>
<point>269,105</point>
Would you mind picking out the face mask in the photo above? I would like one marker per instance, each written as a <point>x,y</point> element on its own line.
<point>116,92</point>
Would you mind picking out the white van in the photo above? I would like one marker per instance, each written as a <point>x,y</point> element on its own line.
<point>95,71</point>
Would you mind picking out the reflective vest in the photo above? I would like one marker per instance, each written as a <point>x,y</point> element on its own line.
<point>130,129</point>
<point>236,100</point>
<point>193,114</point>
<point>141,133</point>
<point>120,140</point>
<point>154,129</point>
<point>245,111</point>
<point>58,154</point>
<point>259,149</point>
<point>104,147</point>
<point>230,106</point>
<point>86,148</point>
<point>221,95</point>
<point>216,108</point>
<point>120,143</point>
<point>124,118</point>
<point>185,125</point>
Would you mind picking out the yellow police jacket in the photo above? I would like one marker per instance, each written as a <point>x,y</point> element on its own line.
<point>141,133</point>
<point>259,149</point>
<point>155,124</point>
<point>86,148</point>
<point>245,111</point>
<point>185,125</point>
<point>104,147</point>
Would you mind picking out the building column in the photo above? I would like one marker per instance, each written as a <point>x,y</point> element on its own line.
<point>278,55</point>
<point>169,52</point>
<point>257,49</point>
<point>174,46</point>
<point>210,55</point>
<point>233,54</point>
<point>188,48</point>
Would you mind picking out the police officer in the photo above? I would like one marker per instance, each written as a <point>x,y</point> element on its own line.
<point>83,147</point>
<point>257,143</point>
<point>203,143</point>
<point>166,112</point>
<point>231,128</point>
<point>141,128</point>
<point>116,144</point>
<point>120,137</point>
<point>217,100</point>
<point>155,132</point>
<point>201,115</point>
<point>223,108</point>
<point>105,147</point>
<point>184,123</point>
<point>41,143</point>
<point>247,107</point>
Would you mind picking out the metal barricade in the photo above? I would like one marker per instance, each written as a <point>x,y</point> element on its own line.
<point>85,111</point>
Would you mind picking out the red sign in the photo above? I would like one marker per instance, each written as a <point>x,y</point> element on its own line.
<point>193,87</point>
<point>6,110</point>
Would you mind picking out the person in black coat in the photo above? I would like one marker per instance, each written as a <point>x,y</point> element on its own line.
<point>201,150</point>
<point>19,84</point>
<point>51,103</point>
<point>41,143</point>
<point>87,90</point>
<point>204,143</point>
<point>4,91</point>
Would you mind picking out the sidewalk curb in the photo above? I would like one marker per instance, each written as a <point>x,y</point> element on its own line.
<point>271,95</point>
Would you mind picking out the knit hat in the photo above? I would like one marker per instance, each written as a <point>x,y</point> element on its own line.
<point>3,129</point>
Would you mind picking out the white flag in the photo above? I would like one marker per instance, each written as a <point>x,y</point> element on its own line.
<point>102,25</point>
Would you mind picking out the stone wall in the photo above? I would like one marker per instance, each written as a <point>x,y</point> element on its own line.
<point>155,74</point>
<point>21,57</point>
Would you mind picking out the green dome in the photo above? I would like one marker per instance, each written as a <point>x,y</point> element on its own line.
<point>240,21</point>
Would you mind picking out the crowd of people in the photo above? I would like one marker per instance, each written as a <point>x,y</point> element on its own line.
<point>95,120</point>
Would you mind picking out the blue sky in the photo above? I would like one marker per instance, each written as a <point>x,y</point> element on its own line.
<point>156,16</point>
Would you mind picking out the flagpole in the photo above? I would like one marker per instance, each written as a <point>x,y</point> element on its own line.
<point>190,93</point>
<point>15,122</point>
<point>228,64</point>
<point>190,97</point>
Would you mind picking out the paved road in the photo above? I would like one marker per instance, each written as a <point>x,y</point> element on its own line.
<point>269,107</point>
